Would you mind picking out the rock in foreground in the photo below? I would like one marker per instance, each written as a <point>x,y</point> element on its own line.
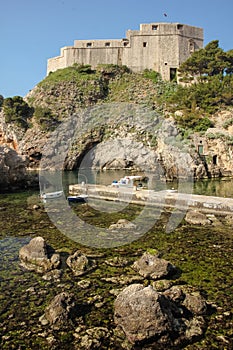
<point>152,267</point>
<point>163,321</point>
<point>35,256</point>
<point>195,217</point>
<point>60,311</point>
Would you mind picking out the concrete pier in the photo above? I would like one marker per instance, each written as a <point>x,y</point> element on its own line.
<point>166,198</point>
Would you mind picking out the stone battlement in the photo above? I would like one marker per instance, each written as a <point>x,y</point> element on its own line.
<point>161,47</point>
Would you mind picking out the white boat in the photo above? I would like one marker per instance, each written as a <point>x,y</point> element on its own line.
<point>127,181</point>
<point>51,195</point>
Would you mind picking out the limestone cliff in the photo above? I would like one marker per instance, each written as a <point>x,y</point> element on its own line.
<point>13,171</point>
<point>117,124</point>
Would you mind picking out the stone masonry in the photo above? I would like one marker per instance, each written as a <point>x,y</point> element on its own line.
<point>161,47</point>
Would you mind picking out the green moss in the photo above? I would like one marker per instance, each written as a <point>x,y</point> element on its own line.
<point>76,73</point>
<point>152,251</point>
<point>203,255</point>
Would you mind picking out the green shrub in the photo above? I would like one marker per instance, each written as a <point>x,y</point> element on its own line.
<point>203,124</point>
<point>17,111</point>
<point>45,118</point>
<point>227,123</point>
<point>217,135</point>
<point>230,140</point>
<point>83,68</point>
<point>75,73</point>
<point>153,75</point>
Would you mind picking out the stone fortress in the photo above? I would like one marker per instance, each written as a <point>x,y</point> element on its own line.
<point>161,47</point>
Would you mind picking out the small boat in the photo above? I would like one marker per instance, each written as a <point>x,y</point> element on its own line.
<point>82,198</point>
<point>51,195</point>
<point>128,181</point>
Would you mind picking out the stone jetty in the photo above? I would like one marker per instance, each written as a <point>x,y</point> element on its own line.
<point>165,198</point>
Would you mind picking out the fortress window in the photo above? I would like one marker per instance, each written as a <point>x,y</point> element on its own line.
<point>145,44</point>
<point>89,44</point>
<point>179,26</point>
<point>125,42</point>
<point>107,44</point>
<point>165,63</point>
<point>154,27</point>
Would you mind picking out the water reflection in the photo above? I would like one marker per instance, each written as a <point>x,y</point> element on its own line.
<point>214,187</point>
<point>9,252</point>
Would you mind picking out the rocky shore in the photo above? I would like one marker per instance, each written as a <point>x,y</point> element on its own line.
<point>150,310</point>
<point>164,290</point>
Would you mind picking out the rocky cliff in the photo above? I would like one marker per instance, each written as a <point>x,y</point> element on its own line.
<point>109,119</point>
<point>13,171</point>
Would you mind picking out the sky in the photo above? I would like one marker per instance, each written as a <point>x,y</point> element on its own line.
<point>34,30</point>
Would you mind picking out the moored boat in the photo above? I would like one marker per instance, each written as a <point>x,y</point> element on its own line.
<point>51,195</point>
<point>129,181</point>
<point>82,198</point>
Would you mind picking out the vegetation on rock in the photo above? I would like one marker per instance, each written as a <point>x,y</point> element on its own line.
<point>206,63</point>
<point>63,92</point>
<point>16,110</point>
<point>210,72</point>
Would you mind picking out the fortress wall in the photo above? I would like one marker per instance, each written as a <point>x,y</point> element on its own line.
<point>158,46</point>
<point>141,53</point>
<point>168,55</point>
<point>187,46</point>
<point>103,43</point>
<point>58,62</point>
<point>95,56</point>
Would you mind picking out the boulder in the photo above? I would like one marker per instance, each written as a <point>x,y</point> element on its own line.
<point>195,303</point>
<point>60,311</point>
<point>138,312</point>
<point>36,256</point>
<point>152,267</point>
<point>167,320</point>
<point>79,263</point>
<point>195,217</point>
<point>123,224</point>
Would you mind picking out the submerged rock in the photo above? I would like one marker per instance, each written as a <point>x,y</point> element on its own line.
<point>35,256</point>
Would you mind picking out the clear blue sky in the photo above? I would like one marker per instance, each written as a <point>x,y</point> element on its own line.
<point>34,30</point>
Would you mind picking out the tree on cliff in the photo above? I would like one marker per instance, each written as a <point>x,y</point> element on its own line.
<point>210,72</point>
<point>206,63</point>
<point>16,110</point>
